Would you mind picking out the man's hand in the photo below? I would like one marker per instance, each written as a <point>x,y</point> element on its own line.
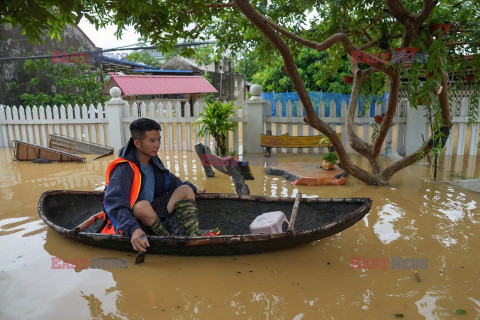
<point>137,242</point>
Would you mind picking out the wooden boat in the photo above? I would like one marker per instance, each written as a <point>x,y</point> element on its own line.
<point>316,219</point>
<point>24,151</point>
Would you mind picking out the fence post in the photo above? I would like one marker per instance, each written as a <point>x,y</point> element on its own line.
<point>3,127</point>
<point>114,113</point>
<point>414,128</point>
<point>253,126</point>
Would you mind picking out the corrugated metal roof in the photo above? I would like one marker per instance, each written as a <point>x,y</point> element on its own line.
<point>132,85</point>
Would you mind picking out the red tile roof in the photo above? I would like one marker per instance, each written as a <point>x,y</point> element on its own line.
<point>132,85</point>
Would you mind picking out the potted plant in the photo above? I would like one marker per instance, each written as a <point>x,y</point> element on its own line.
<point>329,160</point>
<point>470,79</point>
<point>445,26</point>
<point>216,119</point>
<point>379,118</point>
<point>405,55</point>
<point>348,79</point>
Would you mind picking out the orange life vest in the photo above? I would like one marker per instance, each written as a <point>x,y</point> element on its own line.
<point>136,184</point>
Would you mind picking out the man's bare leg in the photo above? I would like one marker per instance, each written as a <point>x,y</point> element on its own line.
<point>143,211</point>
<point>181,193</point>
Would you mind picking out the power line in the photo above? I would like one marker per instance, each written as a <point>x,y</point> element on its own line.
<point>188,44</point>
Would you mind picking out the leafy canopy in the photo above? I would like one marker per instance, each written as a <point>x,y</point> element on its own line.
<point>73,83</point>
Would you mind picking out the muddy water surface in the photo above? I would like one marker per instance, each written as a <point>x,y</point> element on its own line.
<point>416,219</point>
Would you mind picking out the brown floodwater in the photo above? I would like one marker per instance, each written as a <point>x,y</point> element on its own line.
<point>417,218</point>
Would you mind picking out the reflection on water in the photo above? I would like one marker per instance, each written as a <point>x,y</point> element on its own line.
<point>415,219</point>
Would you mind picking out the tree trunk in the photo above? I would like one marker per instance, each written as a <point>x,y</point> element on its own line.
<point>413,26</point>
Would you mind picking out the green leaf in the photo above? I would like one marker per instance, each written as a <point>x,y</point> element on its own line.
<point>460,311</point>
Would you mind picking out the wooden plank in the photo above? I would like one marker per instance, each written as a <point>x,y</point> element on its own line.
<point>71,131</point>
<point>343,128</point>
<point>333,114</point>
<point>311,130</point>
<point>86,133</point>
<point>78,116</point>
<point>473,139</point>
<point>23,128</point>
<point>3,127</point>
<point>178,115</point>
<point>63,116</point>
<point>43,127</point>
<point>92,126</point>
<point>143,110</point>
<point>15,127</point>
<point>278,126</point>
<point>25,151</point>
<point>196,115</point>
<point>101,127</point>
<point>300,125</point>
<point>76,146</point>
<point>28,114</point>
<point>403,104</point>
<point>287,141</point>
<point>449,143</point>
<point>56,116</point>
<point>9,116</point>
<point>462,128</point>
<point>151,111</point>
<point>188,127</point>
<point>170,126</point>
<point>289,107</point>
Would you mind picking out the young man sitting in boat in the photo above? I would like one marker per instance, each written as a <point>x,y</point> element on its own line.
<point>141,192</point>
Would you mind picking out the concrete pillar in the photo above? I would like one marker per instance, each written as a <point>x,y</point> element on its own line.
<point>114,113</point>
<point>414,128</point>
<point>254,125</point>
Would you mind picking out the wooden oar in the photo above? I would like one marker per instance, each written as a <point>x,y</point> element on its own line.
<point>293,217</point>
<point>141,255</point>
<point>87,223</point>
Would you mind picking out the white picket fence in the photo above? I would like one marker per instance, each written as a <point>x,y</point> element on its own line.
<point>179,132</point>
<point>34,124</point>
<point>295,126</point>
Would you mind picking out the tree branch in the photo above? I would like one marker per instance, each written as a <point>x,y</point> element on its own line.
<point>215,6</point>
<point>311,118</point>
<point>375,42</point>
<point>371,24</point>
<point>398,11</point>
<point>388,118</point>
<point>416,156</point>
<point>338,37</point>
<point>354,140</point>
<point>428,6</point>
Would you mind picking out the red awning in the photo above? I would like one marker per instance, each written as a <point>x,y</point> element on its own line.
<point>133,85</point>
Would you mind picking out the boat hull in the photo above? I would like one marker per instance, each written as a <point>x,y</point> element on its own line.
<point>62,210</point>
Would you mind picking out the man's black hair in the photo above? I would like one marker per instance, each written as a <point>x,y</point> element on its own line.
<point>140,126</point>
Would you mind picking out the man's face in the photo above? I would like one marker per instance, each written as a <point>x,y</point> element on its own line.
<point>150,144</point>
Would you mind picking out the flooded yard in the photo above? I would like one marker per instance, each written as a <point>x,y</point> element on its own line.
<point>415,254</point>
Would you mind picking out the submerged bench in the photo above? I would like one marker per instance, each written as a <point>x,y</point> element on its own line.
<point>286,141</point>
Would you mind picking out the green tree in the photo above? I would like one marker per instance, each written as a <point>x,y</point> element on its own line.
<point>72,83</point>
<point>343,29</point>
<point>144,58</point>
